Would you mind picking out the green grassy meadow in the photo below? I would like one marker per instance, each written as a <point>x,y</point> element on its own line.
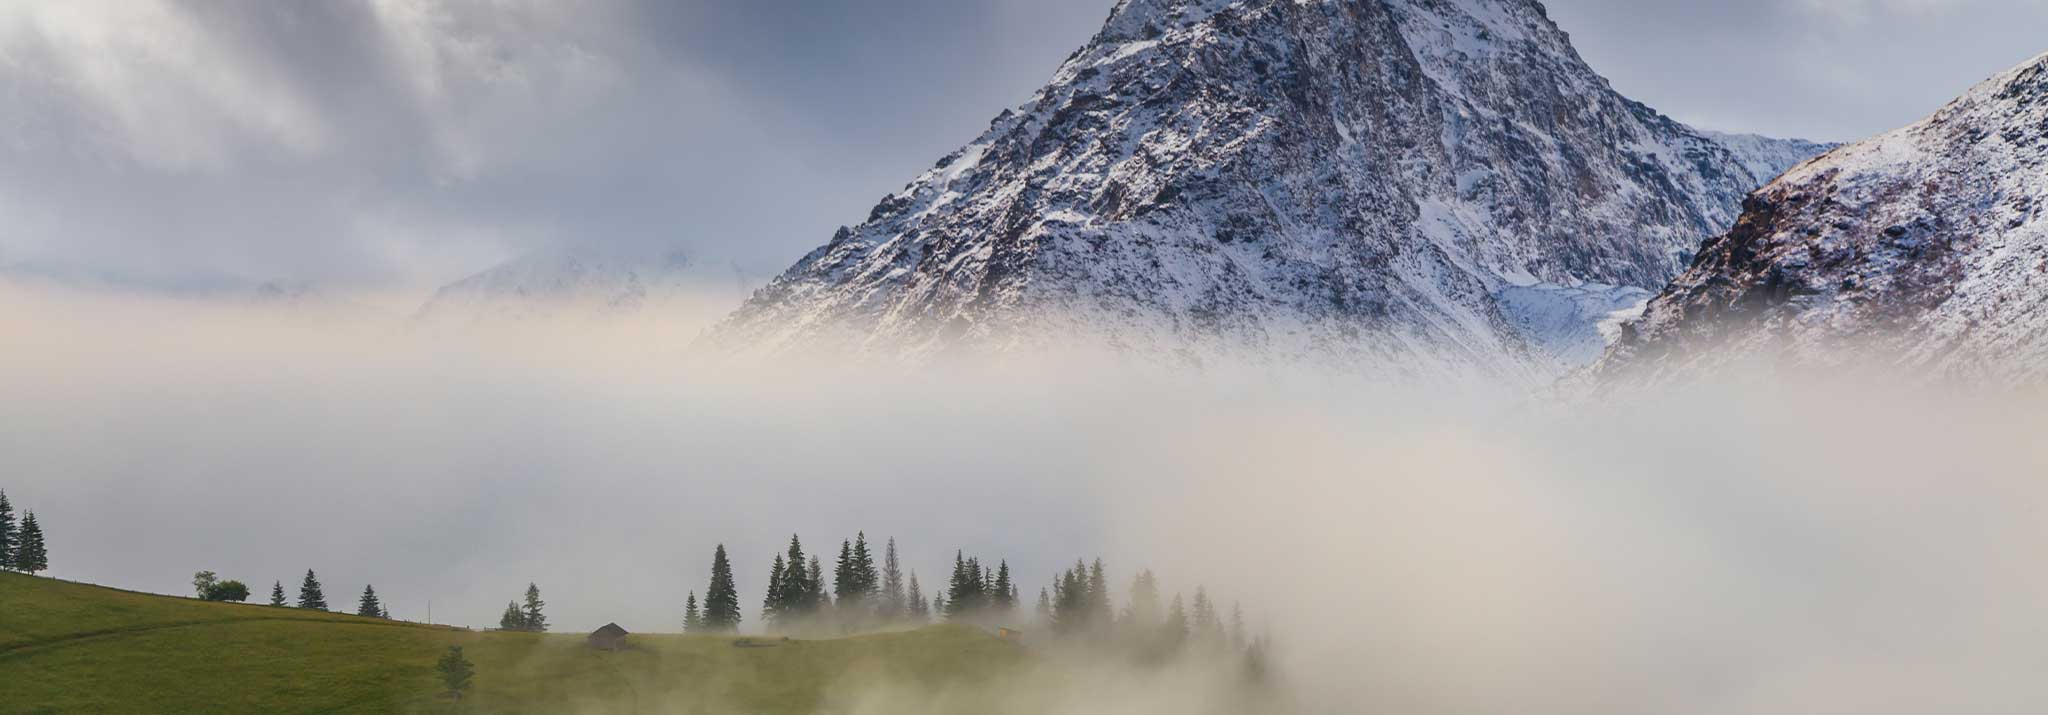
<point>75,648</point>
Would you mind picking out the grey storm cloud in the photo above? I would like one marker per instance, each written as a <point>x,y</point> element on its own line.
<point>167,143</point>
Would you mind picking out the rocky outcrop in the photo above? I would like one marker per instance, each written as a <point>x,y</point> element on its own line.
<point>1925,249</point>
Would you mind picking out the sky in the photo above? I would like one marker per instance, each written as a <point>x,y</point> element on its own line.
<point>178,146</point>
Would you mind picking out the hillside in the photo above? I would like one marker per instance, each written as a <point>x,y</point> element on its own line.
<point>74,648</point>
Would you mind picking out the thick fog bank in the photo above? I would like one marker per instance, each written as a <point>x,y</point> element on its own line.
<point>1764,548</point>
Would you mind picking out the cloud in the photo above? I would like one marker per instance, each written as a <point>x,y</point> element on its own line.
<point>400,144</point>
<point>410,142</point>
<point>1735,549</point>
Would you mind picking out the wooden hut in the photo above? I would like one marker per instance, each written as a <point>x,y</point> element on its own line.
<point>610,637</point>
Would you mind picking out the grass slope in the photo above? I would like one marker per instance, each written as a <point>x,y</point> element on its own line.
<point>67,647</point>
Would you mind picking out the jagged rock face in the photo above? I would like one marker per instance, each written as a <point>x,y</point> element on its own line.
<point>1925,248</point>
<point>1349,179</point>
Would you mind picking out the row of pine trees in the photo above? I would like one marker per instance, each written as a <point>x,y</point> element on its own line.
<point>22,547</point>
<point>866,595</point>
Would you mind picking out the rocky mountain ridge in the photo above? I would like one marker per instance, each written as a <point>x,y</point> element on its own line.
<point>1925,249</point>
<point>1353,182</point>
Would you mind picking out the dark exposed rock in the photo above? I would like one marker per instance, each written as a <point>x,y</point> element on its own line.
<point>1951,285</point>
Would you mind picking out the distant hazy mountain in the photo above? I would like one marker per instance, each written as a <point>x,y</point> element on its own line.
<point>308,300</point>
<point>580,283</point>
<point>1765,157</point>
<point>1376,184</point>
<point>1925,248</point>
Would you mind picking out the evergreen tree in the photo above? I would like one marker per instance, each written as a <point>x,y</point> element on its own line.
<point>1255,668</point>
<point>967,595</point>
<point>893,605</point>
<point>939,604</point>
<point>1003,597</point>
<point>867,581</point>
<point>920,611</point>
<point>455,671</point>
<point>1176,628</point>
<point>776,603</point>
<point>722,599</point>
<point>512,619</point>
<point>277,594</point>
<point>31,555</point>
<point>1208,624</point>
<point>9,533</point>
<point>855,582</point>
<point>1143,612</point>
<point>535,620</point>
<point>794,595</point>
<point>309,593</point>
<point>1100,612</point>
<point>1236,626</point>
<point>693,619</point>
<point>368,604</point>
<point>1044,607</point>
<point>1069,593</point>
<point>843,581</point>
<point>815,598</point>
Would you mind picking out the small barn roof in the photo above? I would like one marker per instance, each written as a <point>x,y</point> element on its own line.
<point>609,629</point>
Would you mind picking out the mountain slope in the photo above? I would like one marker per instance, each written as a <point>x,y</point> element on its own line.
<point>576,284</point>
<point>62,644</point>
<point>1925,248</point>
<point>1344,180</point>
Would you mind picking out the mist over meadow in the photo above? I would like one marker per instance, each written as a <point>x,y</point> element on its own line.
<point>1769,544</point>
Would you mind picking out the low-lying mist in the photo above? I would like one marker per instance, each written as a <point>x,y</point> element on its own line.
<point>1738,547</point>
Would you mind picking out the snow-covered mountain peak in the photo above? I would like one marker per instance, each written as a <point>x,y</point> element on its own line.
<point>1139,20</point>
<point>1288,178</point>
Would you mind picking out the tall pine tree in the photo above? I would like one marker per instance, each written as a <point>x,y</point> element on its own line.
<point>915,606</point>
<point>893,605</point>
<point>536,621</point>
<point>1236,626</point>
<point>843,580</point>
<point>9,533</point>
<point>309,593</point>
<point>31,554</point>
<point>511,619</point>
<point>368,604</point>
<point>1175,630</point>
<point>277,594</point>
<point>815,597</point>
<point>1003,599</point>
<point>1070,609</point>
<point>1100,612</point>
<point>722,599</point>
<point>1143,612</point>
<point>867,583</point>
<point>775,605</point>
<point>693,619</point>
